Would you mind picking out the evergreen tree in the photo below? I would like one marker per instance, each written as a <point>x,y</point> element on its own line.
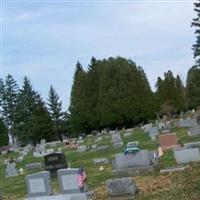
<point>4,139</point>
<point>193,87</point>
<point>27,101</point>
<point>170,94</point>
<point>10,95</point>
<point>196,24</point>
<point>78,103</point>
<point>55,111</point>
<point>42,125</point>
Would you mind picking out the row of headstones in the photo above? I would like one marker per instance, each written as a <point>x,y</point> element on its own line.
<point>39,185</point>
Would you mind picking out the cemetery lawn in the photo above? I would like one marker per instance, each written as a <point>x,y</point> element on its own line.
<point>182,185</point>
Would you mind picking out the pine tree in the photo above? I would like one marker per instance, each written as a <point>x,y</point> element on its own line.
<point>170,94</point>
<point>78,102</point>
<point>10,95</point>
<point>27,100</point>
<point>193,87</point>
<point>196,24</point>
<point>4,139</point>
<point>42,125</point>
<point>55,111</point>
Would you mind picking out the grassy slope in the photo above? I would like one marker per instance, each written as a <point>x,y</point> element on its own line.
<point>184,185</point>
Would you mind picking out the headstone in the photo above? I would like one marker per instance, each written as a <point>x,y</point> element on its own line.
<point>103,148</point>
<point>146,127</point>
<point>33,166</point>
<point>48,151</point>
<point>101,161</point>
<point>194,130</point>
<point>184,155</point>
<point>122,187</point>
<point>192,145</point>
<point>98,139</point>
<point>80,141</point>
<point>118,144</point>
<point>11,169</point>
<point>183,123</point>
<point>168,141</point>
<point>39,184</point>
<point>153,132</point>
<point>132,143</point>
<point>116,140</point>
<point>127,134</point>
<point>55,161</point>
<point>140,159</point>
<point>68,181</point>
<point>81,149</point>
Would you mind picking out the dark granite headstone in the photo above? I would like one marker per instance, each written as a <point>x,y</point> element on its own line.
<point>55,161</point>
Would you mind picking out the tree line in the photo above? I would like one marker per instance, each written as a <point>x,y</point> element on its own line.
<point>111,93</point>
<point>115,92</point>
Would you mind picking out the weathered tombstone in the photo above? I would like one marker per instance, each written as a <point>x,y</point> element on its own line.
<point>127,134</point>
<point>39,184</point>
<point>130,144</point>
<point>184,123</point>
<point>103,148</point>
<point>146,127</point>
<point>194,130</point>
<point>153,132</point>
<point>116,140</point>
<point>184,155</point>
<point>122,188</point>
<point>81,149</point>
<point>68,181</point>
<point>80,141</point>
<point>168,141</point>
<point>101,161</point>
<point>98,139</point>
<point>132,164</point>
<point>55,161</point>
<point>192,145</point>
<point>33,166</point>
<point>11,169</point>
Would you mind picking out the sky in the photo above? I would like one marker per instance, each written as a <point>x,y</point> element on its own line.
<point>44,39</point>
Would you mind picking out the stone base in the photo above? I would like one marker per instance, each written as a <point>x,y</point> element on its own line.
<point>61,197</point>
<point>122,198</point>
<point>133,171</point>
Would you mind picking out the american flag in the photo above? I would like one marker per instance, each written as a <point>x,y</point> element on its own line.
<point>81,177</point>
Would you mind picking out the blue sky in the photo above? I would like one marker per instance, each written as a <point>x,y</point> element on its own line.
<point>44,39</point>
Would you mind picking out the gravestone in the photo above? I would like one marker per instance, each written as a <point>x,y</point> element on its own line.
<point>39,184</point>
<point>81,149</point>
<point>103,148</point>
<point>11,169</point>
<point>168,141</point>
<point>122,187</point>
<point>127,134</point>
<point>146,127</point>
<point>33,166</point>
<point>98,139</point>
<point>101,161</point>
<point>184,155</point>
<point>132,143</point>
<point>153,132</point>
<point>192,145</point>
<point>134,164</point>
<point>116,140</point>
<point>184,123</point>
<point>194,130</point>
<point>55,161</point>
<point>68,181</point>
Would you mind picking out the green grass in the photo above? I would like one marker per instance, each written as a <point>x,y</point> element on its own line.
<point>15,187</point>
